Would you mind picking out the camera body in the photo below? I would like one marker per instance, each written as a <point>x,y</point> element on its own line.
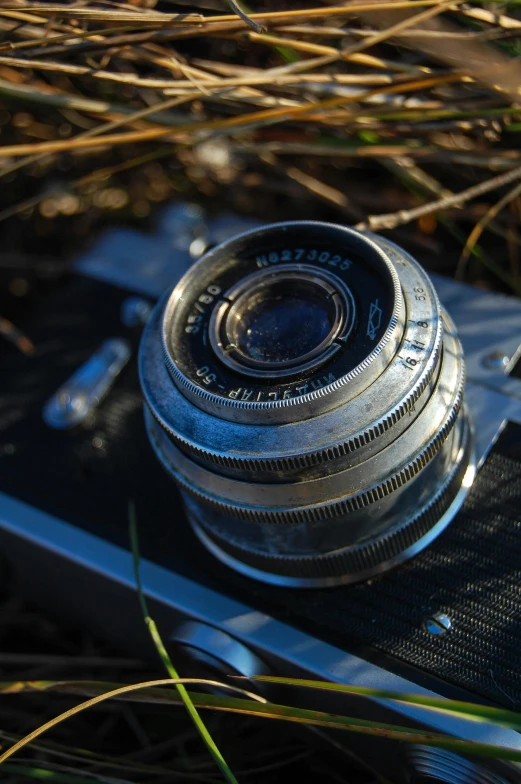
<point>74,451</point>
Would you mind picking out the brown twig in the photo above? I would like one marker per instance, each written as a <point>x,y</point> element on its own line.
<point>234,123</point>
<point>399,218</point>
<point>399,27</point>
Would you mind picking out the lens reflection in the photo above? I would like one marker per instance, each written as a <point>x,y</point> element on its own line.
<point>283,322</point>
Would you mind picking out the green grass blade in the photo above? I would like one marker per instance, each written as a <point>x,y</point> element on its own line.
<point>468,710</point>
<point>251,708</point>
<point>165,658</point>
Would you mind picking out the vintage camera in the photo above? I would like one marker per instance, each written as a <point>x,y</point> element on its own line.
<point>317,511</point>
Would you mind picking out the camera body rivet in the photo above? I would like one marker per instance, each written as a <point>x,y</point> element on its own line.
<point>496,360</point>
<point>438,624</point>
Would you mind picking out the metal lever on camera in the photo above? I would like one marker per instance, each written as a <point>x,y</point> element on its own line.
<point>84,390</point>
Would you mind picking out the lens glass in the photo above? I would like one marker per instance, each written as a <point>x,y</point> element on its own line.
<point>282,322</point>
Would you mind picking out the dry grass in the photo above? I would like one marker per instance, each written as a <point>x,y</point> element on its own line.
<point>371,113</point>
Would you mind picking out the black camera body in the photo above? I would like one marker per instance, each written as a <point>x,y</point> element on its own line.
<point>74,452</point>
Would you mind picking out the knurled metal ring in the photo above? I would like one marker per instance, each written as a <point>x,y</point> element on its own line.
<point>361,561</point>
<point>346,447</point>
<point>337,507</point>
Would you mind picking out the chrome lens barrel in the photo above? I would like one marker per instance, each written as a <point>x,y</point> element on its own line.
<point>305,390</point>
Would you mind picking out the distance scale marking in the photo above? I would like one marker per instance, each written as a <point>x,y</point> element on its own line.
<point>425,302</point>
<point>415,330</point>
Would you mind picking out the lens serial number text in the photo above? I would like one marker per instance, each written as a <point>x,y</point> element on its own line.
<point>324,257</point>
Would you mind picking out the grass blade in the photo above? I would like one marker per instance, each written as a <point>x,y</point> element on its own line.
<point>251,708</point>
<point>18,687</point>
<point>469,710</point>
<point>165,658</point>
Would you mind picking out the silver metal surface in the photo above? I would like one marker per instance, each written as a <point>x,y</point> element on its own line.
<point>429,765</point>
<point>486,323</point>
<point>318,513</point>
<point>432,520</point>
<point>354,486</point>
<point>380,415</point>
<point>437,624</point>
<point>355,574</point>
<point>83,391</point>
<point>217,650</point>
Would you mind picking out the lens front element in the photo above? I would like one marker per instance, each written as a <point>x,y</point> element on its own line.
<point>282,322</point>
<point>304,388</point>
<point>276,327</point>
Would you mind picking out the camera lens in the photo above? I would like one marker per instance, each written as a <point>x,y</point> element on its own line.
<point>276,327</point>
<point>304,388</point>
<point>282,322</point>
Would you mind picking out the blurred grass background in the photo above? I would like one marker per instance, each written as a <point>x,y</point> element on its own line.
<point>404,117</point>
<point>340,112</point>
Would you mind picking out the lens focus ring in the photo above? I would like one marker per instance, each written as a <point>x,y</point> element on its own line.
<point>336,493</point>
<point>353,563</point>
